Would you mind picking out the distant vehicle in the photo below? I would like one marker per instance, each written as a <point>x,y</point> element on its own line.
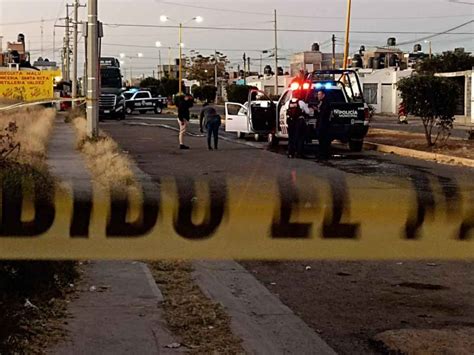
<point>111,102</point>
<point>142,101</point>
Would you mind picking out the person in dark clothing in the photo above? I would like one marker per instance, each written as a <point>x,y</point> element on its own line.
<point>297,110</point>
<point>184,105</point>
<point>324,124</point>
<point>212,121</point>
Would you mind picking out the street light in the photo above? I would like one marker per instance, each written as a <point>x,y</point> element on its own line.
<point>124,56</point>
<point>429,47</point>
<point>198,19</point>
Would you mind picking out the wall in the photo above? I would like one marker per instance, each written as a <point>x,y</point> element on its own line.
<point>385,76</point>
<point>267,83</point>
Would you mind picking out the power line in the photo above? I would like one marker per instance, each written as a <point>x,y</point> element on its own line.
<point>282,30</point>
<point>436,34</point>
<point>307,16</point>
<point>28,22</point>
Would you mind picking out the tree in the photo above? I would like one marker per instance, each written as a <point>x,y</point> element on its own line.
<point>202,68</point>
<point>209,93</point>
<point>447,62</point>
<point>238,93</point>
<point>150,82</point>
<point>197,92</point>
<point>169,87</point>
<point>433,99</point>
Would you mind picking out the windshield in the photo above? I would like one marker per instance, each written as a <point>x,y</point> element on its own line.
<point>110,78</point>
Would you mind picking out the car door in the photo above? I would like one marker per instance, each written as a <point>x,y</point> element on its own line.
<point>262,112</point>
<point>282,128</point>
<point>236,117</point>
<point>141,100</point>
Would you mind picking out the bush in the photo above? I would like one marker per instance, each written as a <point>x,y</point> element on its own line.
<point>197,92</point>
<point>209,93</point>
<point>238,93</point>
<point>433,99</point>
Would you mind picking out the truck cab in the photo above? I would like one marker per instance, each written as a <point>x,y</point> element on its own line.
<point>111,102</point>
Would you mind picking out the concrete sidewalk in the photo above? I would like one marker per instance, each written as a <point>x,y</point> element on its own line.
<point>117,306</point>
<point>415,126</point>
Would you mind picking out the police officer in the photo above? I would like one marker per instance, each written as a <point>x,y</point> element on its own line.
<point>324,123</point>
<point>297,111</point>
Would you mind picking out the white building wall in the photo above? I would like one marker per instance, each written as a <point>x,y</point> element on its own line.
<point>385,76</point>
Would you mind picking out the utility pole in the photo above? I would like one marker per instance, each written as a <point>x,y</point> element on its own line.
<point>169,62</point>
<point>160,72</point>
<point>348,25</point>
<point>74,53</point>
<point>245,68</point>
<point>180,76</point>
<point>67,58</point>
<point>333,51</point>
<point>276,53</point>
<point>42,37</point>
<point>261,68</point>
<point>92,98</point>
<point>215,68</point>
<point>248,66</point>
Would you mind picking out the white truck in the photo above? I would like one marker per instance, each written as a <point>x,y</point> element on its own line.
<point>250,119</point>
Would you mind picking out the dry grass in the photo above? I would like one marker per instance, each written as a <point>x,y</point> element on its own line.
<point>108,165</point>
<point>455,146</point>
<point>34,129</point>
<point>202,325</point>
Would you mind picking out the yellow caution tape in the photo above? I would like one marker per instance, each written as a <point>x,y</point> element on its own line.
<point>304,217</point>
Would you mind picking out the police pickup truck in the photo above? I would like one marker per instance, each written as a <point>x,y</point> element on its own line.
<point>142,101</point>
<point>349,112</point>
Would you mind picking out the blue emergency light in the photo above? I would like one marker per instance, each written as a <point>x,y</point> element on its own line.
<point>327,86</point>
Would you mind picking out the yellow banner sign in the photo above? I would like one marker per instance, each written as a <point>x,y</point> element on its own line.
<point>27,85</point>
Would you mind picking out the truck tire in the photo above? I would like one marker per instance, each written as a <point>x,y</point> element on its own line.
<point>356,146</point>
<point>240,135</point>
<point>158,110</point>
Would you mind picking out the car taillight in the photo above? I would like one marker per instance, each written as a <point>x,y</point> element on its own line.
<point>306,86</point>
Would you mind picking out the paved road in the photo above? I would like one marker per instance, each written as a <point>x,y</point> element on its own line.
<point>346,302</point>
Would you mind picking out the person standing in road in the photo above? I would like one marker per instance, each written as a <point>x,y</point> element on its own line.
<point>184,104</point>
<point>297,110</point>
<point>212,121</point>
<point>324,123</point>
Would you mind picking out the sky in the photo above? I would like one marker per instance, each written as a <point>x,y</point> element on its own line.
<point>310,21</point>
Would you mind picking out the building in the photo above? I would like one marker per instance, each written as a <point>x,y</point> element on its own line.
<point>380,88</point>
<point>310,61</point>
<point>266,83</point>
<point>379,58</point>
<point>465,103</point>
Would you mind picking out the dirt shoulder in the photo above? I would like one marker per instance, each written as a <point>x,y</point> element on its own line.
<point>349,303</point>
<point>33,294</point>
<point>454,147</point>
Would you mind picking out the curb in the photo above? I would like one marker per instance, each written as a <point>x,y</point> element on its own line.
<point>418,154</point>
